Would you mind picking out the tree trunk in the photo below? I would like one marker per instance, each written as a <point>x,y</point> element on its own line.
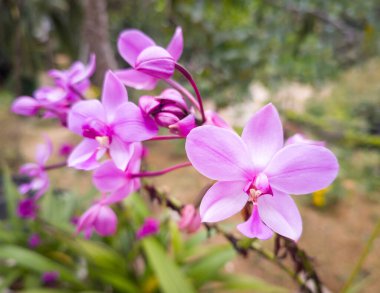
<point>96,37</point>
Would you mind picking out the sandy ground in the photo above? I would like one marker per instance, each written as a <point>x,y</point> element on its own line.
<point>334,237</point>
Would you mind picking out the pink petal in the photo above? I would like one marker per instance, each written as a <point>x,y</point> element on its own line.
<point>223,200</point>
<point>302,168</point>
<point>175,46</point>
<point>184,126</point>
<point>155,61</point>
<point>114,94</point>
<point>105,223</point>
<point>26,106</point>
<point>263,135</point>
<point>131,43</point>
<point>43,152</point>
<point>280,213</point>
<point>136,79</point>
<point>131,125</point>
<point>87,71</point>
<point>82,111</point>
<point>84,155</point>
<point>87,219</point>
<point>121,152</point>
<point>174,96</point>
<point>108,177</point>
<point>213,118</point>
<point>219,154</point>
<point>254,227</point>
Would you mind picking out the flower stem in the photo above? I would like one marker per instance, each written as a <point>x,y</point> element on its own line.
<point>165,137</point>
<point>188,76</point>
<point>55,166</point>
<point>161,172</point>
<point>182,89</point>
<point>375,233</point>
<point>237,243</point>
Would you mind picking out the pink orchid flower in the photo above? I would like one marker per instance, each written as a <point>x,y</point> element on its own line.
<point>150,227</point>
<point>36,173</point>
<point>117,183</point>
<point>299,138</point>
<point>99,217</point>
<point>108,126</point>
<point>149,62</point>
<point>51,102</point>
<point>75,80</point>
<point>258,170</point>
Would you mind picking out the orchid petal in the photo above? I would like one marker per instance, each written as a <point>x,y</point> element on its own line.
<point>106,221</point>
<point>121,152</point>
<point>84,155</point>
<point>254,227</point>
<point>175,46</point>
<point>136,79</point>
<point>82,111</point>
<point>263,135</point>
<point>223,200</point>
<point>131,125</point>
<point>280,213</point>
<point>219,154</point>
<point>302,168</point>
<point>114,94</point>
<point>131,43</point>
<point>108,177</point>
<point>87,71</point>
<point>44,151</point>
<point>156,61</point>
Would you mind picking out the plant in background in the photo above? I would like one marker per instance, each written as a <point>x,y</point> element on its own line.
<point>255,172</point>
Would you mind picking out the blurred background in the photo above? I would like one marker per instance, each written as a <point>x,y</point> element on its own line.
<point>318,61</point>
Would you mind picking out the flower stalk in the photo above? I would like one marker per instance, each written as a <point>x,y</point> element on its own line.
<point>161,172</point>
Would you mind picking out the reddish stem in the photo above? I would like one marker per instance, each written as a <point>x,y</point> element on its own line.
<point>182,89</point>
<point>161,172</point>
<point>55,166</point>
<point>166,137</point>
<point>188,76</point>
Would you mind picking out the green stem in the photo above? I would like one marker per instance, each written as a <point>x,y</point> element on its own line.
<point>375,233</point>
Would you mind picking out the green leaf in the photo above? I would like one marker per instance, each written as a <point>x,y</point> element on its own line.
<point>122,284</point>
<point>36,262</point>
<point>44,290</point>
<point>244,283</point>
<point>11,197</point>
<point>208,265</point>
<point>170,277</point>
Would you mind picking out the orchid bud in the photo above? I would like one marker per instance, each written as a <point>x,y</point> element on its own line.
<point>49,278</point>
<point>150,227</point>
<point>212,118</point>
<point>25,106</point>
<point>27,208</point>
<point>155,61</point>
<point>190,220</point>
<point>299,138</point>
<point>184,126</point>
<point>34,241</point>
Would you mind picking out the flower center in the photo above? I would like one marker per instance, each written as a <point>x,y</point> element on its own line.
<point>103,141</point>
<point>95,128</point>
<point>258,187</point>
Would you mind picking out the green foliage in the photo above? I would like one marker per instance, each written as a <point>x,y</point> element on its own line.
<point>168,262</point>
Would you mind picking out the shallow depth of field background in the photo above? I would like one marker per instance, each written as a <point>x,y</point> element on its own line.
<point>317,61</point>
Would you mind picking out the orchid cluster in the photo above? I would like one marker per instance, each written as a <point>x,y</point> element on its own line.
<point>255,173</point>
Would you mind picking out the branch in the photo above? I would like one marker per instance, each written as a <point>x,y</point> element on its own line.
<point>304,271</point>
